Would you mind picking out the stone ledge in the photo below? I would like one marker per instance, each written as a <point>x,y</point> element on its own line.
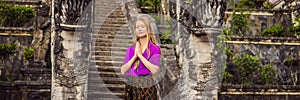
<point>30,29</point>
<point>259,38</point>
<point>29,84</point>
<point>260,88</point>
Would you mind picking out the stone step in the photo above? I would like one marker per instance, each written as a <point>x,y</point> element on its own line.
<point>112,80</point>
<point>104,58</point>
<point>106,68</point>
<point>116,19</point>
<point>108,53</point>
<point>106,87</point>
<point>115,40</point>
<point>36,70</point>
<point>100,21</point>
<point>105,74</point>
<point>124,29</point>
<point>111,14</point>
<point>104,48</point>
<point>108,64</point>
<point>109,68</point>
<point>105,95</point>
<point>108,8</point>
<point>116,25</point>
<point>108,36</point>
<point>115,22</point>
<point>98,31</point>
<point>117,13</point>
<point>106,80</point>
<point>112,44</point>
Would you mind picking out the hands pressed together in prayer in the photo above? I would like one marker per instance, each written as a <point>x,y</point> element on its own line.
<point>137,52</point>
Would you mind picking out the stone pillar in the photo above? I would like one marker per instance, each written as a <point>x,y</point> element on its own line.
<point>196,43</point>
<point>70,48</point>
<point>69,79</point>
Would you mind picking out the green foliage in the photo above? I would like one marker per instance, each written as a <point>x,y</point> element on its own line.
<point>267,5</point>
<point>295,29</point>
<point>250,4</point>
<point>246,67</point>
<point>239,23</point>
<point>220,42</point>
<point>166,35</point>
<point>292,62</point>
<point>227,76</point>
<point>267,73</point>
<point>15,16</point>
<point>10,79</point>
<point>28,53</point>
<point>7,49</point>
<point>153,5</point>
<point>276,31</point>
<point>247,70</point>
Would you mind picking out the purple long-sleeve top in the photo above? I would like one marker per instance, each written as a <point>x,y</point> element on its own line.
<point>154,58</point>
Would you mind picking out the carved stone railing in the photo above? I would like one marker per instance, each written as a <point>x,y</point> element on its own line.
<point>71,38</point>
<point>261,92</point>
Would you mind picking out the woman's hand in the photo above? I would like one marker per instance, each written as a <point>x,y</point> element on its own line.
<point>137,49</point>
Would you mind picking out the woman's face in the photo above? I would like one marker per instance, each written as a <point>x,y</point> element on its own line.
<point>140,29</point>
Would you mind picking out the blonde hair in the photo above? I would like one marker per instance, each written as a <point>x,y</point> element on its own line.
<point>150,36</point>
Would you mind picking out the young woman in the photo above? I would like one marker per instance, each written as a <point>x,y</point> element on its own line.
<point>141,61</point>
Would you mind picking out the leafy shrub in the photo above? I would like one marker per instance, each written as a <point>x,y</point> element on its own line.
<point>7,49</point>
<point>250,4</point>
<point>28,53</point>
<point>151,5</point>
<point>267,74</point>
<point>246,67</point>
<point>275,31</point>
<point>267,5</point>
<point>166,35</point>
<point>15,16</point>
<point>239,23</point>
<point>295,29</point>
<point>247,70</point>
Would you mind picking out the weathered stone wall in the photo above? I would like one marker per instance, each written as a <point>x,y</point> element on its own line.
<point>31,78</point>
<point>262,19</point>
<point>273,51</point>
<point>12,65</point>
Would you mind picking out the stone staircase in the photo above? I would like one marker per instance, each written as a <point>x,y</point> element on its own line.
<point>111,39</point>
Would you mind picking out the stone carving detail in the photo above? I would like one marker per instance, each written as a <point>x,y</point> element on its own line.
<point>209,13</point>
<point>65,73</point>
<point>200,13</point>
<point>69,11</point>
<point>71,48</point>
<point>195,45</point>
<point>41,37</point>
